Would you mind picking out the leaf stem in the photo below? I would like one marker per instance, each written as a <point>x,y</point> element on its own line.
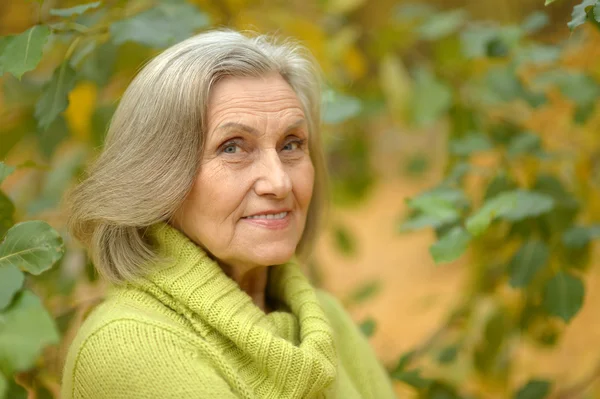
<point>72,47</point>
<point>82,30</point>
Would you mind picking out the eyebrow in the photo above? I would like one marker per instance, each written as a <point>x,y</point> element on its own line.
<point>253,131</point>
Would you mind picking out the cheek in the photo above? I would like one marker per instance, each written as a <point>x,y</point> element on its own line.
<point>303,182</point>
<point>219,193</point>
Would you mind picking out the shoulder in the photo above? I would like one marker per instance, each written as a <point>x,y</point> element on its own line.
<point>333,308</point>
<point>132,314</point>
<point>342,323</point>
<point>355,353</point>
<point>125,347</point>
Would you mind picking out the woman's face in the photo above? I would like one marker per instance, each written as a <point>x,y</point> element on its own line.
<point>250,199</point>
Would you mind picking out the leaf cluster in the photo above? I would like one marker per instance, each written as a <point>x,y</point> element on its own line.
<point>26,327</point>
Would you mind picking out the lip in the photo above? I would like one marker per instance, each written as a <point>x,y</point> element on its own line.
<point>270,211</point>
<point>272,224</point>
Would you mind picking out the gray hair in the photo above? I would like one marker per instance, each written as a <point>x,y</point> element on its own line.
<point>155,140</point>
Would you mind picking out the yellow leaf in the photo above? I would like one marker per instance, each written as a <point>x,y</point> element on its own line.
<point>82,102</point>
<point>395,83</point>
<point>355,63</point>
<point>343,6</point>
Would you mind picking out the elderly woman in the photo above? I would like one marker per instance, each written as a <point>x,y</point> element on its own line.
<point>208,191</point>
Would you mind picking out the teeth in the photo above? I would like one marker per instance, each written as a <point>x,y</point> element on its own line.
<point>270,216</point>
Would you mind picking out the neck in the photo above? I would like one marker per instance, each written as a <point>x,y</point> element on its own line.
<point>253,281</point>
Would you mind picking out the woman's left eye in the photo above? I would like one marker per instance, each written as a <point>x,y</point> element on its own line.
<point>230,149</point>
<point>293,145</point>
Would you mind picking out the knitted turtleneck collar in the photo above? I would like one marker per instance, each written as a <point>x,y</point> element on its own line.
<point>285,354</point>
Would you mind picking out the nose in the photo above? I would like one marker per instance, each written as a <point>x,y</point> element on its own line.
<point>273,179</point>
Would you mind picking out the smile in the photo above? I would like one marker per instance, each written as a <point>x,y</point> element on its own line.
<point>268,216</point>
<point>270,221</point>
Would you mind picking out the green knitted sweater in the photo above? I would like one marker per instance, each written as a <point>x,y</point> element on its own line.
<point>186,330</point>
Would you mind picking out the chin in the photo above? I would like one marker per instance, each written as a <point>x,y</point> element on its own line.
<point>272,255</point>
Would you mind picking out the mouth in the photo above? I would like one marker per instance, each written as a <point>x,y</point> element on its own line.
<point>269,216</point>
<point>272,220</point>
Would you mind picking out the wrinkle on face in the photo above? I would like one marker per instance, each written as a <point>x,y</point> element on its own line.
<point>228,187</point>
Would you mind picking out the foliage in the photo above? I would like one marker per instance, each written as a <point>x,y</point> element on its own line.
<point>510,188</point>
<point>528,215</point>
<point>26,327</point>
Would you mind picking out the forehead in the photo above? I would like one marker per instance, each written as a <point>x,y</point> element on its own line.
<point>238,97</point>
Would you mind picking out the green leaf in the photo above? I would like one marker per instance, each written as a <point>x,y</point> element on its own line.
<point>490,346</point>
<point>578,237</point>
<point>581,88</point>
<point>436,208</point>
<point>412,378</point>
<point>338,108</point>
<point>99,65</point>
<point>499,184</point>
<point>4,41</point>
<point>563,296</point>
<point>54,98</point>
<point>49,139</point>
<point>368,327</point>
<point>450,246</point>
<point>525,143</point>
<point>24,52</point>
<point>33,246</point>
<point>548,2</point>
<point>419,222</point>
<point>344,240</point>
<point>3,385</point>
<point>538,54</point>
<point>442,24</point>
<point>174,21</point>
<point>58,179</point>
<point>404,361</point>
<point>440,390</point>
<point>528,260</point>
<point>502,85</point>
<point>405,12</point>
<point>457,173</point>
<point>365,291</point>
<point>448,354</point>
<point>7,210</point>
<point>502,133</point>
<point>550,185</point>
<point>5,171</point>
<point>529,204</point>
<point>25,329</point>
<point>429,200</point>
<point>431,98</point>
<point>83,50</point>
<point>581,13</point>
<point>11,281</point>
<point>433,206</point>
<point>76,10</point>
<point>512,205</point>
<point>534,389</point>
<point>469,144</point>
<point>16,391</point>
<point>536,21</point>
<point>478,41</point>
<point>475,40</point>
<point>415,165</point>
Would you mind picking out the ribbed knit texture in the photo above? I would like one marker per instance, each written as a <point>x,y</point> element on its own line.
<point>187,330</point>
